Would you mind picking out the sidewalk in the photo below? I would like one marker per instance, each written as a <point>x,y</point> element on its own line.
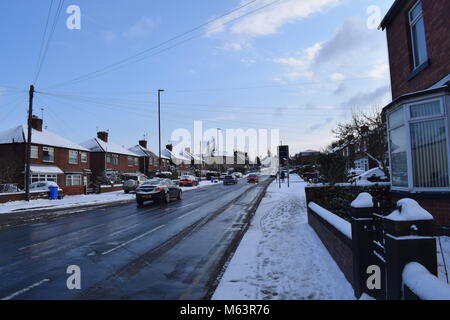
<point>280,256</point>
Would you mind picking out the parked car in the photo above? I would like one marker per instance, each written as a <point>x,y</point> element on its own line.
<point>222,176</point>
<point>238,175</point>
<point>252,178</point>
<point>158,189</point>
<point>230,179</point>
<point>187,180</point>
<point>132,181</point>
<point>42,185</point>
<point>9,188</point>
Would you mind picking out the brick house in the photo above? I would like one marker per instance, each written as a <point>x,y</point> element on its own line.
<point>148,160</point>
<point>418,117</point>
<point>53,158</point>
<point>110,159</point>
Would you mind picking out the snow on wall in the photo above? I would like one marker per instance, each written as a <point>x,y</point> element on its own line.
<point>424,284</point>
<point>409,210</point>
<point>363,200</point>
<point>340,224</point>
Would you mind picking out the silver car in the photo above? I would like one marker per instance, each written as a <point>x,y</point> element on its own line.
<point>132,181</point>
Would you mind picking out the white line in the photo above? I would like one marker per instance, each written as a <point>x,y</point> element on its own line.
<point>184,215</point>
<point>132,240</point>
<point>15,294</point>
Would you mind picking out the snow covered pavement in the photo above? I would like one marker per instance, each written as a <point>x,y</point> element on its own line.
<point>280,256</point>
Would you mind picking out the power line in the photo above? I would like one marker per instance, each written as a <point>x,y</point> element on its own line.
<point>43,39</point>
<point>49,39</point>
<point>129,60</point>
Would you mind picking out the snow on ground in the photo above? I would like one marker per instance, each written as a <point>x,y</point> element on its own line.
<point>66,202</point>
<point>78,200</point>
<point>445,241</point>
<point>280,256</point>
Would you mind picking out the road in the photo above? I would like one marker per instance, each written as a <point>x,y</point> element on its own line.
<point>174,251</point>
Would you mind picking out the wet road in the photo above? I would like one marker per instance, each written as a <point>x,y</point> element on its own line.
<point>174,251</point>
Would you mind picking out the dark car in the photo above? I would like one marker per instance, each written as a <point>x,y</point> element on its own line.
<point>252,178</point>
<point>158,189</point>
<point>230,179</point>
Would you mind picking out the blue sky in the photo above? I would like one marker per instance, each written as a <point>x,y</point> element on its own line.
<point>297,65</point>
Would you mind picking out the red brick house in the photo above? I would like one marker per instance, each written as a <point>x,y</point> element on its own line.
<point>148,160</point>
<point>110,159</point>
<point>53,158</point>
<point>418,35</point>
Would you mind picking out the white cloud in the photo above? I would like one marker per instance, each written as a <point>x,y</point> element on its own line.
<point>337,76</point>
<point>109,36</point>
<point>379,71</point>
<point>268,20</point>
<point>142,27</point>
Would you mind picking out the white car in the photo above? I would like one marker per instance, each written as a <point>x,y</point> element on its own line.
<point>43,185</point>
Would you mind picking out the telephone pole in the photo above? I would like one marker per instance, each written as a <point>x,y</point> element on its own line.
<point>28,151</point>
<point>159,125</point>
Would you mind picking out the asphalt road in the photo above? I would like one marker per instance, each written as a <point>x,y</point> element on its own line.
<point>174,251</point>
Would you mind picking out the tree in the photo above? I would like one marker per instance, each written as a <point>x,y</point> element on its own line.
<point>332,168</point>
<point>10,170</point>
<point>367,130</point>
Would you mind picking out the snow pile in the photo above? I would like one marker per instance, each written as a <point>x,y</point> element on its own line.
<point>424,285</point>
<point>372,173</point>
<point>364,200</point>
<point>281,257</point>
<point>409,210</point>
<point>342,225</point>
<point>66,202</point>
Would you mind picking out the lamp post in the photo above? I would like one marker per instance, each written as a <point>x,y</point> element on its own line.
<point>159,125</point>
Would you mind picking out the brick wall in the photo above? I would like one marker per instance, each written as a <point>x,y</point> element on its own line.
<point>437,29</point>
<point>337,244</point>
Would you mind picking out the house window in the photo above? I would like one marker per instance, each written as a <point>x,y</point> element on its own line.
<point>34,152</point>
<point>73,157</point>
<point>84,157</point>
<point>419,145</point>
<point>48,154</point>
<point>136,162</point>
<point>130,161</point>
<point>44,177</point>
<point>112,158</point>
<point>73,180</point>
<point>417,26</point>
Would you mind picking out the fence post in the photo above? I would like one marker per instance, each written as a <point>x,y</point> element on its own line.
<point>361,221</point>
<point>408,238</point>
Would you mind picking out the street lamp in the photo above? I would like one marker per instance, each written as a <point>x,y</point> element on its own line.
<point>159,125</point>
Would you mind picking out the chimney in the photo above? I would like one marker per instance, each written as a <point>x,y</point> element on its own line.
<point>103,135</point>
<point>169,147</point>
<point>36,123</point>
<point>143,143</point>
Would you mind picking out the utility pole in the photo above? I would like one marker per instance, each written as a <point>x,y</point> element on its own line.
<point>28,153</point>
<point>159,125</point>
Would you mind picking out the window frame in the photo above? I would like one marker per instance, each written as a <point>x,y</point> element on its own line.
<point>82,153</point>
<point>44,149</point>
<point>71,152</point>
<point>37,152</point>
<point>412,23</point>
<point>70,177</point>
<point>407,121</point>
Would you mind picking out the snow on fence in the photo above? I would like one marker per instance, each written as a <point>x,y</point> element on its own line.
<point>423,284</point>
<point>340,224</point>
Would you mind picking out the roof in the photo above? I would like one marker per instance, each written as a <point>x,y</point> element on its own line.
<point>98,145</point>
<point>442,85</point>
<point>393,11</point>
<point>142,152</point>
<point>19,134</point>
<point>45,169</point>
<point>170,155</point>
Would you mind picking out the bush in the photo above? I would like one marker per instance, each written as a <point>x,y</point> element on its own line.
<point>332,168</point>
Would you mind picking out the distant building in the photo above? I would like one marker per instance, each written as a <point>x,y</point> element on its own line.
<point>53,158</point>
<point>148,160</point>
<point>110,159</point>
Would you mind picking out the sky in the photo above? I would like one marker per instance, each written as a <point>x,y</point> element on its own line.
<point>300,66</point>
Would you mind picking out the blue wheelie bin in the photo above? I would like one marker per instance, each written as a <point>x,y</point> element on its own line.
<point>53,193</point>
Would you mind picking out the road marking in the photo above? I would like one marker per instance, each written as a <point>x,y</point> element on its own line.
<point>15,294</point>
<point>132,240</point>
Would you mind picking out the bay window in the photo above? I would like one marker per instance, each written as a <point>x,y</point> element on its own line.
<point>419,146</point>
